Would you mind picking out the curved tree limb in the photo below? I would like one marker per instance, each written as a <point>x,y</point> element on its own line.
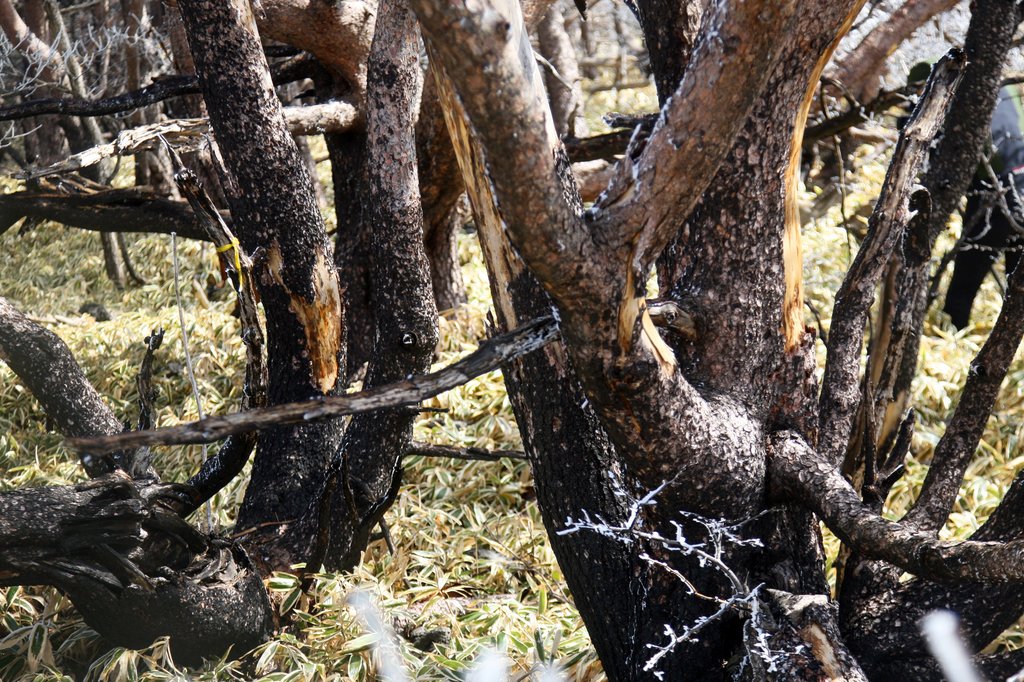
<point>520,184</point>
<point>491,355</point>
<point>840,393</point>
<point>955,449</point>
<point>111,210</point>
<point>798,473</point>
<point>696,129</point>
<point>46,366</point>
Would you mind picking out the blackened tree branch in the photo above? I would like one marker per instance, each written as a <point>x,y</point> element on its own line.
<point>955,449</point>
<point>109,210</point>
<point>798,473</point>
<point>46,366</point>
<point>453,452</point>
<point>840,394</point>
<point>855,115</point>
<point>491,355</point>
<point>158,91</point>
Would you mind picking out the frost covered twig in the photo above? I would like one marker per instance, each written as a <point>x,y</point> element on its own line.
<point>710,552</point>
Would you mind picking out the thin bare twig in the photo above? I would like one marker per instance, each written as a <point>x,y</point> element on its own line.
<point>454,452</point>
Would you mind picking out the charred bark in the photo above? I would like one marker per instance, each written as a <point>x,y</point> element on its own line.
<point>352,246</point>
<point>670,30</point>
<point>133,569</point>
<point>275,213</point>
<point>367,467</point>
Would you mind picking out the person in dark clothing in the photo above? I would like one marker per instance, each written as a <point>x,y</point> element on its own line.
<point>995,212</point>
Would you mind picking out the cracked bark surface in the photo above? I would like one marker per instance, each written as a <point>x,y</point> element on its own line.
<point>275,213</point>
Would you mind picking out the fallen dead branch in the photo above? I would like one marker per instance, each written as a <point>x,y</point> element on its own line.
<point>491,355</point>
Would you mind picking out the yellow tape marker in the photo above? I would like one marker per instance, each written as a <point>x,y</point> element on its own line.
<point>236,247</point>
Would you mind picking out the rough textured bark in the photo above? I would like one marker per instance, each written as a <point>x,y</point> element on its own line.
<point>537,224</point>
<point>352,246</point>
<point>877,610</point>
<point>658,420</point>
<point>275,213</point>
<point>569,450</point>
<point>45,364</point>
<point>951,166</point>
<point>841,386</point>
<point>368,464</point>
<point>133,569</point>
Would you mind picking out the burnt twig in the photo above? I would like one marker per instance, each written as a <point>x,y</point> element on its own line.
<point>491,355</point>
<point>840,396</point>
<point>453,452</point>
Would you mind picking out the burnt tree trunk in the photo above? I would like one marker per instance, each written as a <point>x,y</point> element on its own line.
<point>276,217</point>
<point>367,467</point>
<point>352,245</point>
<point>577,467</point>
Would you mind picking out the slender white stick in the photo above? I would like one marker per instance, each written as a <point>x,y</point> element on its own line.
<point>941,632</point>
<point>388,652</point>
<point>188,360</point>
